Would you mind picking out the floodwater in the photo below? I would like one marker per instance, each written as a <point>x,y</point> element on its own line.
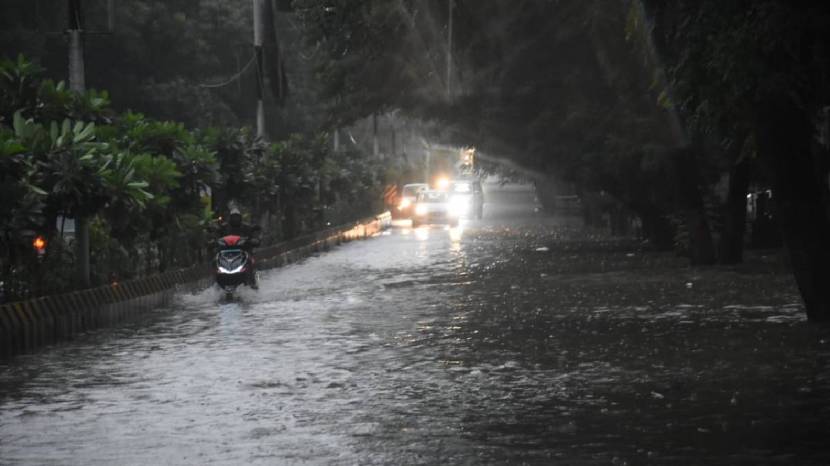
<point>515,340</point>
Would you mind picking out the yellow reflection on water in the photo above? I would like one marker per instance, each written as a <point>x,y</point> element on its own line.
<point>456,233</point>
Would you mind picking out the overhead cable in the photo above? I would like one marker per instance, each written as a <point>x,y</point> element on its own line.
<point>234,77</point>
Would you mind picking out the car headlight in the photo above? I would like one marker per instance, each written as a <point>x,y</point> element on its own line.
<point>405,202</point>
<point>420,209</point>
<point>459,205</point>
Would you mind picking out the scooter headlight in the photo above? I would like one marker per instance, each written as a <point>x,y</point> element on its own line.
<point>230,271</point>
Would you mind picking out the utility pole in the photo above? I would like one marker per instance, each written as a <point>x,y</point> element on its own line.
<point>259,35</point>
<point>449,51</point>
<point>427,171</point>
<point>110,16</point>
<point>76,48</point>
<point>394,141</point>
<point>375,146</point>
<point>77,83</point>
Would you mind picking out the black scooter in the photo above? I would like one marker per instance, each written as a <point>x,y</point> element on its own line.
<point>234,263</point>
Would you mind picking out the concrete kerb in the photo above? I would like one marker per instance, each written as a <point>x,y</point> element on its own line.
<point>24,328</point>
<point>8,329</point>
<point>60,328</point>
<point>31,319</point>
<point>27,325</point>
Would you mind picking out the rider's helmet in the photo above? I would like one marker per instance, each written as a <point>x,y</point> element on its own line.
<point>235,217</point>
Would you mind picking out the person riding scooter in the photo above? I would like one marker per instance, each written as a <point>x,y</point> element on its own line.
<point>235,226</point>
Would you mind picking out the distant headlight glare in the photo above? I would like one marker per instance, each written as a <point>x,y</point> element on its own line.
<point>459,205</point>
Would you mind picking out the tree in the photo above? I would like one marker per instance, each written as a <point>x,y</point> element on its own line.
<point>697,89</point>
<point>761,64</point>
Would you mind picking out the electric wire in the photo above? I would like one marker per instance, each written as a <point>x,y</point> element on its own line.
<point>234,77</point>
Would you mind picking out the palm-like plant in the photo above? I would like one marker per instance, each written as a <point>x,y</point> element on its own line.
<point>18,86</point>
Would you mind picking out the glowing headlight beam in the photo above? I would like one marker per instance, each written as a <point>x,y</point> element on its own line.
<point>459,205</point>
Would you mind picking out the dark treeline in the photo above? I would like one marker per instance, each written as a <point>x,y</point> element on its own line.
<point>157,147</point>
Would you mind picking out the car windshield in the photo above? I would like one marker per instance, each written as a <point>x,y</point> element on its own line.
<point>432,197</point>
<point>412,189</point>
<point>462,187</point>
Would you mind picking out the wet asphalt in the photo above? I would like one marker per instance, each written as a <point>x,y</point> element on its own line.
<point>518,339</point>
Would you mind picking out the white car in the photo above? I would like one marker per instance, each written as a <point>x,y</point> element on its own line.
<point>409,195</point>
<point>436,207</point>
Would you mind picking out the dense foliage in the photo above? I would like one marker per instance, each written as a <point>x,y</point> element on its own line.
<point>149,186</point>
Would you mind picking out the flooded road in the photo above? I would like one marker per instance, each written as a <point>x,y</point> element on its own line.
<point>508,341</point>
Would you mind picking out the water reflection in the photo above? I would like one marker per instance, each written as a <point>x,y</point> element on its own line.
<point>444,346</point>
<point>455,235</point>
<point>422,233</point>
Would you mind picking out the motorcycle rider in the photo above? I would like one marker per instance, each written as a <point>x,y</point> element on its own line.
<point>235,226</point>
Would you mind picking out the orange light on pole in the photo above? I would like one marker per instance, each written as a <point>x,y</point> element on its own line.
<point>39,243</point>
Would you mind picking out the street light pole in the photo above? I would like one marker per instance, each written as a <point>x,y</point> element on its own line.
<point>449,51</point>
<point>259,36</point>
<point>77,83</point>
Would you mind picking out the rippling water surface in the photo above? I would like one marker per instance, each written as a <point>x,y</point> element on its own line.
<point>496,343</point>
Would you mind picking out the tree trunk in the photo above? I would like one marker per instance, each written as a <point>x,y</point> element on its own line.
<point>657,228</point>
<point>620,221</point>
<point>290,223</point>
<point>731,250</point>
<point>784,134</point>
<point>701,245</point>
<point>546,193</point>
<point>82,250</point>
